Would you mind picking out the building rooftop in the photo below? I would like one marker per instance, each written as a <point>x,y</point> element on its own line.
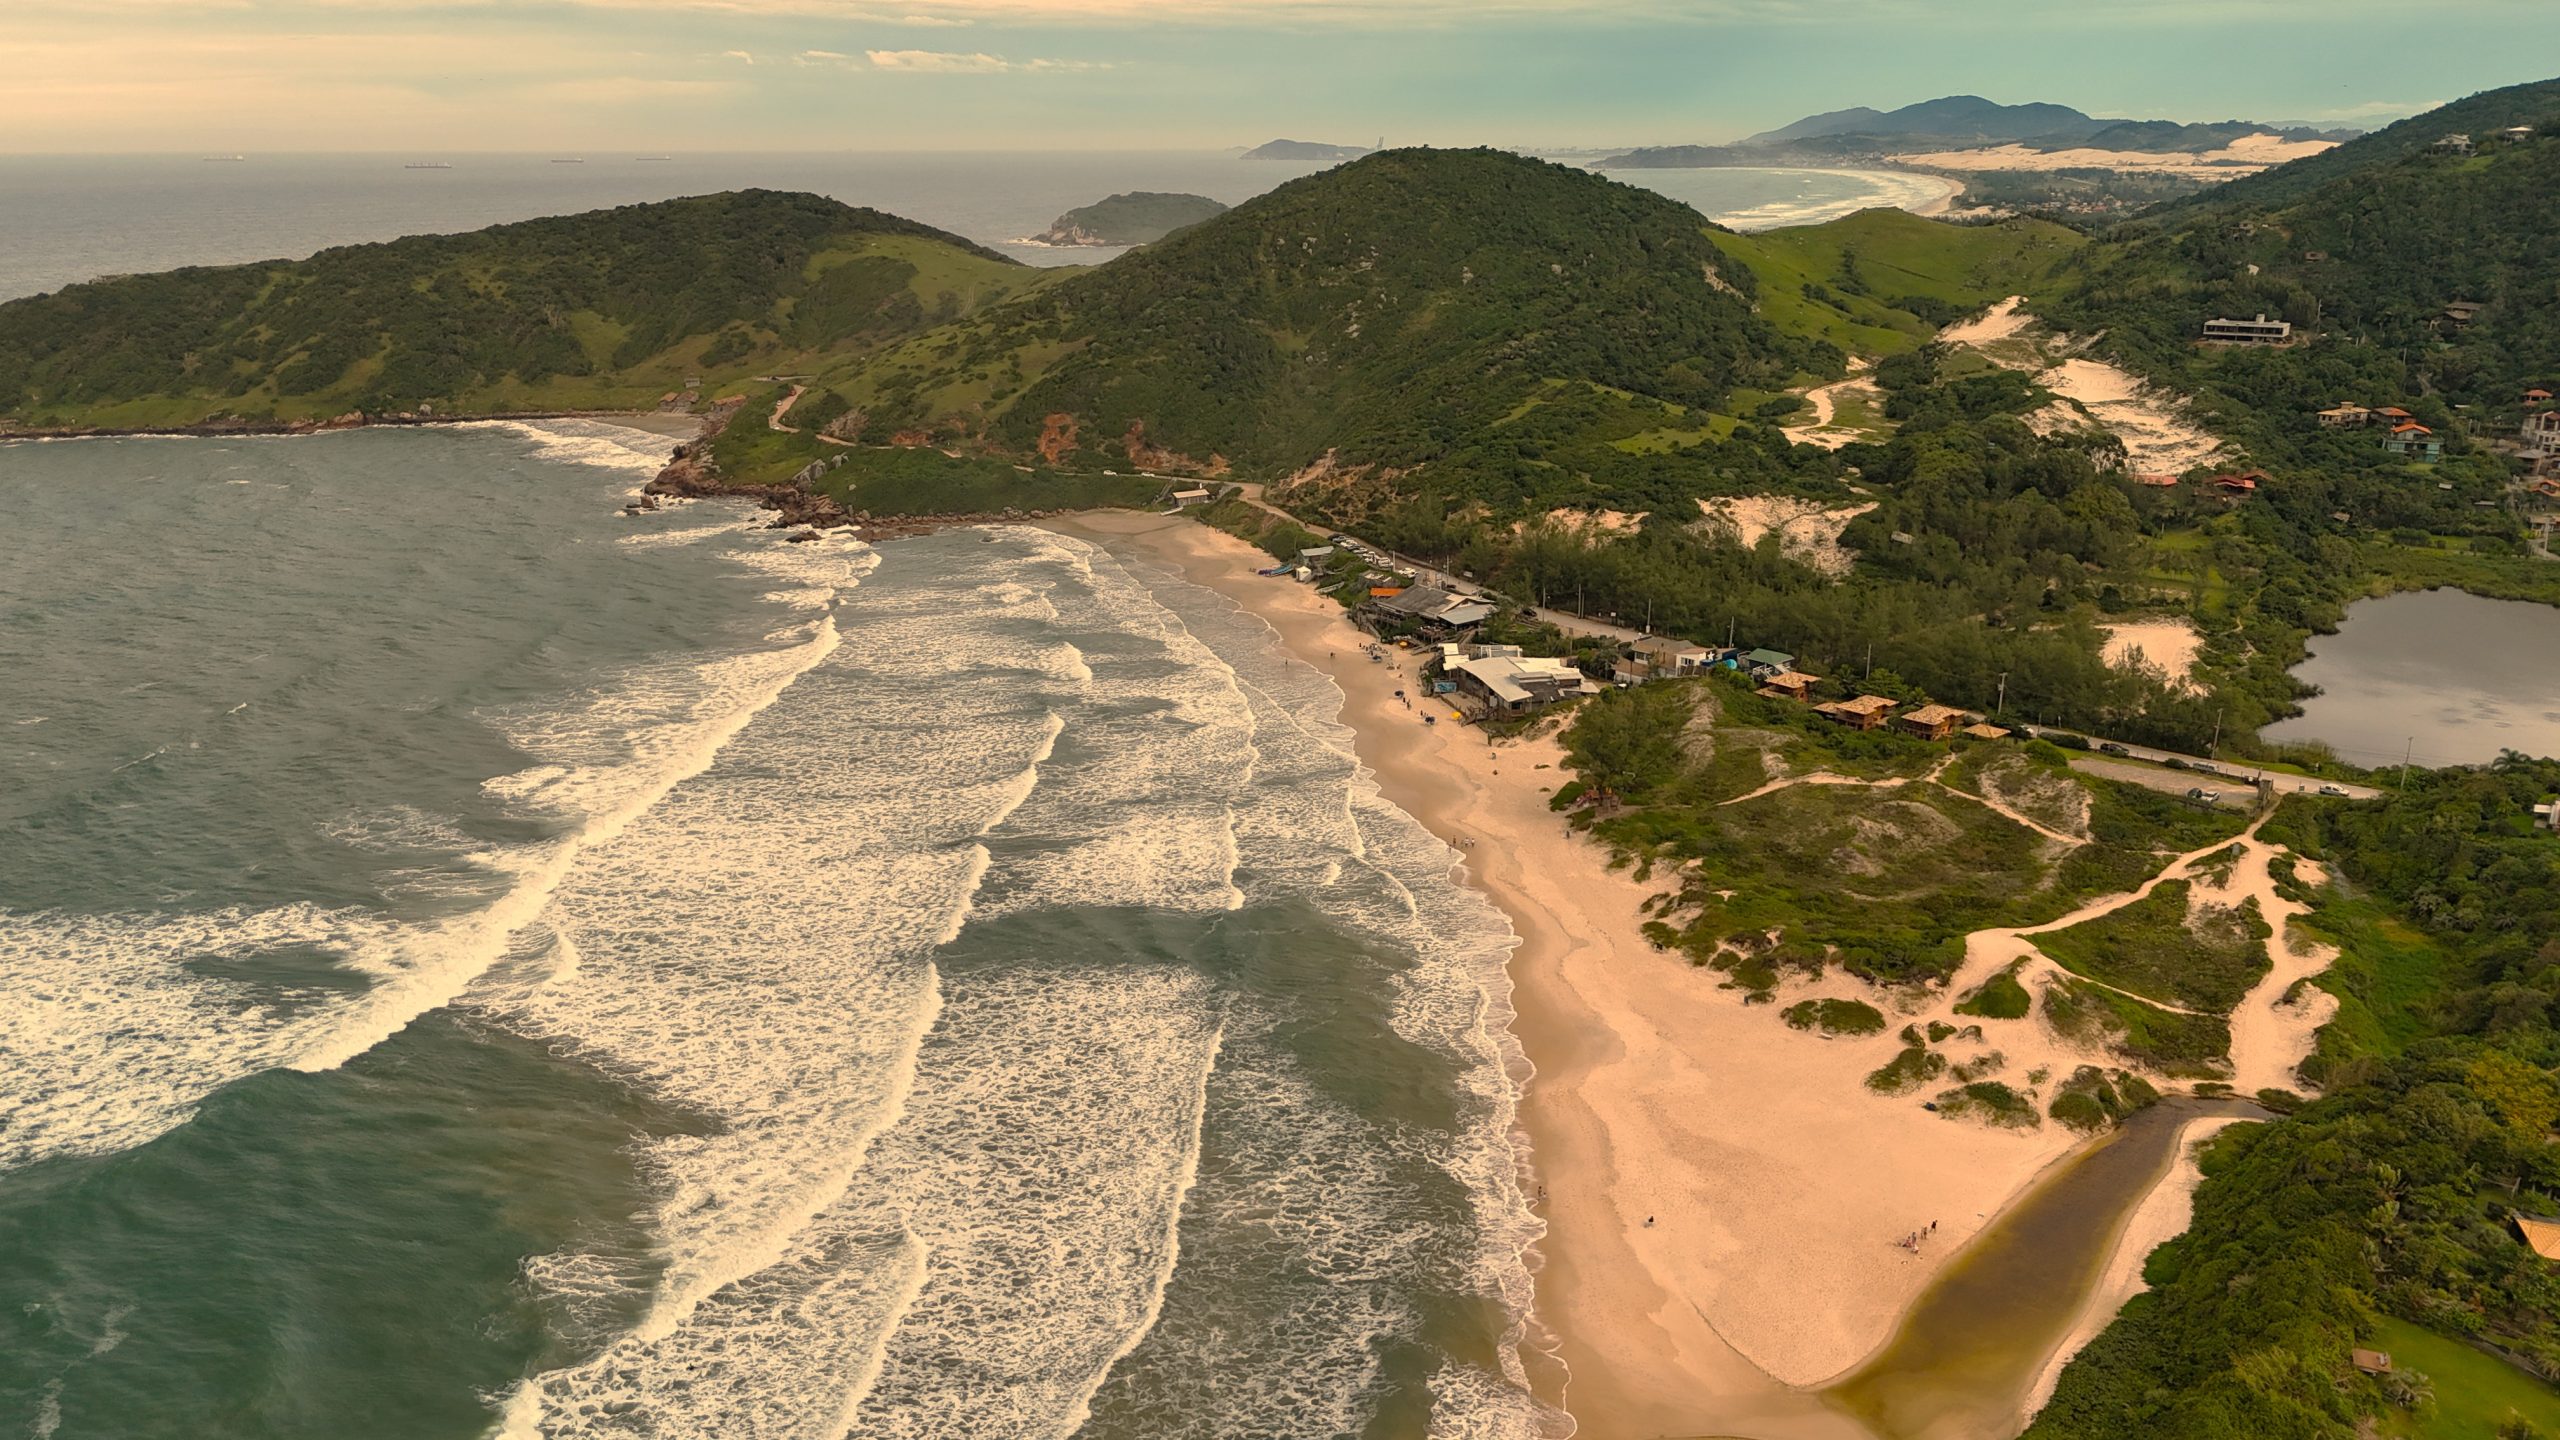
<point>1934,715</point>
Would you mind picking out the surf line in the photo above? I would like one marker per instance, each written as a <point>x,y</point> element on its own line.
<point>480,939</point>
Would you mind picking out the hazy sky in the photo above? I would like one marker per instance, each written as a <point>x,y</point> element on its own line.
<point>457,75</point>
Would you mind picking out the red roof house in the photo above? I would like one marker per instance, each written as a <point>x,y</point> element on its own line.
<point>2243,482</point>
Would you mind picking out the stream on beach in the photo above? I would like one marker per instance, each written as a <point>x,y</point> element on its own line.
<point>1968,1352</point>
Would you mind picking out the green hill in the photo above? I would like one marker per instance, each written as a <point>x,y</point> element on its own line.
<point>605,310</point>
<point>1389,310</point>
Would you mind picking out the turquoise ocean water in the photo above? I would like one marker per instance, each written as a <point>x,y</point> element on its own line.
<point>475,963</point>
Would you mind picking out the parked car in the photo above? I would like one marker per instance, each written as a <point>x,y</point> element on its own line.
<point>2333,790</point>
<point>2209,797</point>
<point>2174,763</point>
<point>2109,747</point>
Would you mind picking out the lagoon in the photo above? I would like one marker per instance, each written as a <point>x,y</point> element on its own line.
<point>2439,676</point>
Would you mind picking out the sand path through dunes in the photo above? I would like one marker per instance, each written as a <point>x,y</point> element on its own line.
<point>2157,436</point>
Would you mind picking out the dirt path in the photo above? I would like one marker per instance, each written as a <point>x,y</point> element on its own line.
<point>783,406</point>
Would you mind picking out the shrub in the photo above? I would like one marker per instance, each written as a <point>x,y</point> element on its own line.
<point>1835,1017</point>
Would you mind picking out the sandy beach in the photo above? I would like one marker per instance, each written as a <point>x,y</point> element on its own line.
<point>1722,1194</point>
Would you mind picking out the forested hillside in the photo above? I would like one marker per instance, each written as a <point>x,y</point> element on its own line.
<point>2382,1207</point>
<point>1388,309</point>
<point>609,309</point>
<point>2363,249</point>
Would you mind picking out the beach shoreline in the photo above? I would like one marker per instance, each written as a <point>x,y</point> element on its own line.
<point>1721,1194</point>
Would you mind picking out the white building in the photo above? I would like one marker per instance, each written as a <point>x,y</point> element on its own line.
<point>2261,331</point>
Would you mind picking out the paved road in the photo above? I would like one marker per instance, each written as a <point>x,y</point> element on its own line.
<point>2225,774</point>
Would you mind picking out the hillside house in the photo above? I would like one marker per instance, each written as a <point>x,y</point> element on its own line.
<point>1184,499</point>
<point>2412,441</point>
<point>2548,817</point>
<point>2539,1235</point>
<point>2370,1362</point>
<point>1511,682</point>
<point>1864,713</point>
<point>2345,417</point>
<point>1764,663</point>
<point>1788,685</point>
<point>2536,396</point>
<point>1986,731</point>
<point>1932,722</point>
<point>2157,480</point>
<point>2391,415</point>
<point>2261,331</point>
<point>2541,430</point>
<point>2453,145</point>
<point>2461,313</point>
<point>2516,134</point>
<point>2241,484</point>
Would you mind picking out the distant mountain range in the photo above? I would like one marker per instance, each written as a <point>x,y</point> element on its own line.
<point>1961,122</point>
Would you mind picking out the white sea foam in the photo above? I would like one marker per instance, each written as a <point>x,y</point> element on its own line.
<point>113,1039</point>
<point>757,949</point>
<point>588,442</point>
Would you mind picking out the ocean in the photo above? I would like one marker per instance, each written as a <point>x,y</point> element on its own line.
<point>65,219</point>
<point>476,963</point>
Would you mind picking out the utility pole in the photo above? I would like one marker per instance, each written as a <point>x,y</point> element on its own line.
<point>2213,751</point>
<point>2001,705</point>
<point>2406,753</point>
<point>1871,659</point>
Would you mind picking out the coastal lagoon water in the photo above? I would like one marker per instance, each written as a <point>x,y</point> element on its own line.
<point>70,218</point>
<point>473,962</point>
<point>2442,676</point>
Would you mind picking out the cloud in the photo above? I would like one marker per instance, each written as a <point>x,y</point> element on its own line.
<point>951,62</point>
<point>741,56</point>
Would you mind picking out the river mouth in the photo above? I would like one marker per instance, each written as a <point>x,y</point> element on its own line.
<point>2435,677</point>
<point>1968,1352</point>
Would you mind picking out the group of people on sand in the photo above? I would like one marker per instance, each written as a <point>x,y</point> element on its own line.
<point>1911,1242</point>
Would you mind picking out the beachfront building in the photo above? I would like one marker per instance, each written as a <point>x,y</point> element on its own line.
<point>1427,608</point>
<point>2345,417</point>
<point>1788,685</point>
<point>1864,713</point>
<point>1184,499</point>
<point>2261,331</point>
<point>2412,441</point>
<point>1514,682</point>
<point>1660,657</point>
<point>1933,722</point>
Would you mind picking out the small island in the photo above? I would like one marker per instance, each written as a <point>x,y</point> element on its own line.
<point>1304,150</point>
<point>1139,217</point>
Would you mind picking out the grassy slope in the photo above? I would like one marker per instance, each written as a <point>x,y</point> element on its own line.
<point>2475,1393</point>
<point>1896,255</point>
